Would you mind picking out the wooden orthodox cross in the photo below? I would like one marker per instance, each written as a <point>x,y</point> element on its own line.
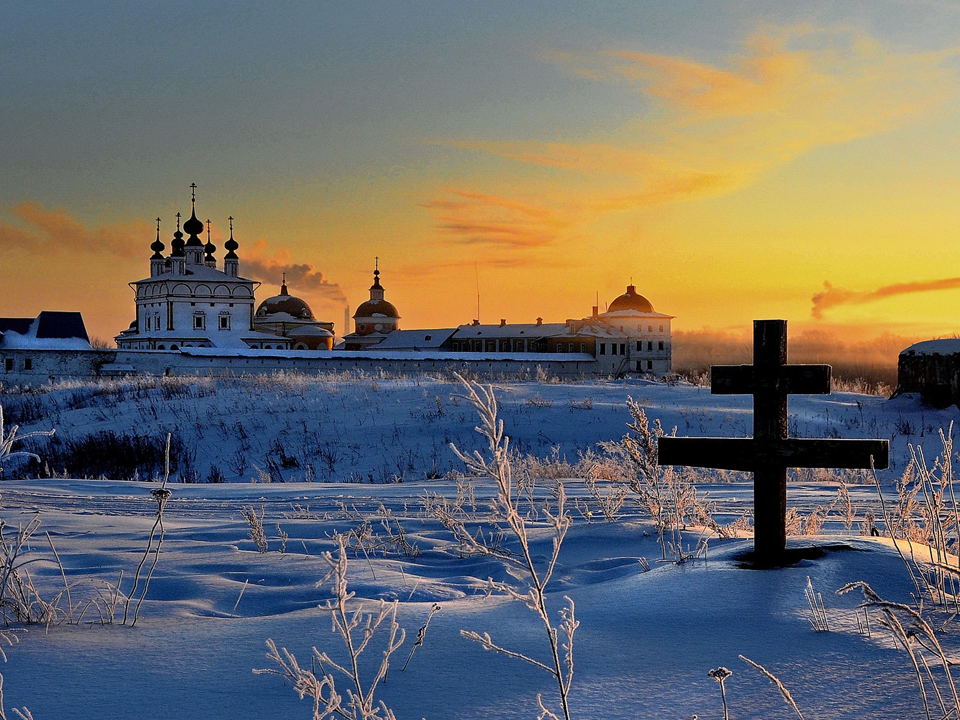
<point>770,452</point>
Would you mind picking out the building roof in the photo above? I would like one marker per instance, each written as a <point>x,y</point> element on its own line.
<point>196,273</point>
<point>516,330</point>
<point>416,339</point>
<point>943,346</point>
<point>17,325</point>
<point>50,330</point>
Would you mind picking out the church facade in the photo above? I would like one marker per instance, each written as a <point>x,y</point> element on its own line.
<point>190,300</point>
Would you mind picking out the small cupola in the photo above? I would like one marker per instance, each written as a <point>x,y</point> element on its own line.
<point>209,249</point>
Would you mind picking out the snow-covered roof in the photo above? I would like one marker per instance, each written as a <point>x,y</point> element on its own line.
<point>48,331</point>
<point>375,354</point>
<point>309,330</point>
<point>635,314</point>
<point>197,273</point>
<point>942,346</point>
<point>416,339</point>
<point>218,339</point>
<point>532,330</point>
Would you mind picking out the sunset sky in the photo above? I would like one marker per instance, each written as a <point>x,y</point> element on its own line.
<point>736,160</point>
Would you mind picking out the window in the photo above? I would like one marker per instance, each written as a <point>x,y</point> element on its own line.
<point>603,348</point>
<point>623,348</point>
<point>28,364</point>
<point>660,345</point>
<point>8,364</point>
<point>661,328</point>
<point>199,321</point>
<point>613,348</point>
<point>146,322</point>
<point>639,345</point>
<point>650,345</point>
<point>649,364</point>
<point>223,322</point>
<point>583,347</point>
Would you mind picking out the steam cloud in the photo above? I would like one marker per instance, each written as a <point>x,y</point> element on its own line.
<point>836,296</point>
<point>302,276</point>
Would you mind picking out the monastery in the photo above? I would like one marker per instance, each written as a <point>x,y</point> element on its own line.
<point>195,314</point>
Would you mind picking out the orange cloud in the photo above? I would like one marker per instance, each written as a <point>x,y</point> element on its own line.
<point>41,231</point>
<point>835,296</point>
<point>471,218</point>
<point>713,128</point>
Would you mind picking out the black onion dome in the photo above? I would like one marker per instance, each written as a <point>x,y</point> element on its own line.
<point>231,245</point>
<point>177,245</point>
<point>157,246</point>
<point>194,227</point>
<point>630,300</point>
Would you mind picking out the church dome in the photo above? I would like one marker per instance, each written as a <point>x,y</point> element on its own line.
<point>374,308</point>
<point>630,300</point>
<point>285,303</point>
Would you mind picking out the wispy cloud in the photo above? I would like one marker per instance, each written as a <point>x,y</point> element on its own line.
<point>472,218</point>
<point>40,231</point>
<point>704,128</point>
<point>269,267</point>
<point>832,297</point>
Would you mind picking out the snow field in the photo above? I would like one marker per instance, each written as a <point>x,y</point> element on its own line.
<point>646,640</point>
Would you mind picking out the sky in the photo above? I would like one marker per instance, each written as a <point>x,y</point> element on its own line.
<point>734,160</point>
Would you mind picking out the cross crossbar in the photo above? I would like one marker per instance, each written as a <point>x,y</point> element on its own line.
<point>747,454</point>
<point>790,380</point>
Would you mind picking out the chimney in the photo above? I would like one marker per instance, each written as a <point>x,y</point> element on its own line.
<point>596,311</point>
<point>503,322</point>
<point>475,322</point>
<point>539,321</point>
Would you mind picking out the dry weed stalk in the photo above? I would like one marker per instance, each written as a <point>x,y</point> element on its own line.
<point>161,495</point>
<point>787,697</point>
<point>10,436</point>
<point>507,506</point>
<point>255,522</point>
<point>915,635</point>
<point>668,495</point>
<point>356,628</point>
<point>817,609</point>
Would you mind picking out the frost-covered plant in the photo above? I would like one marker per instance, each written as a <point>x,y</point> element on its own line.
<point>255,522</point>
<point>508,505</point>
<point>9,436</point>
<point>720,675</point>
<point>917,637</point>
<point>668,495</point>
<point>161,495</point>
<point>927,518</point>
<point>356,629</point>
<point>784,692</point>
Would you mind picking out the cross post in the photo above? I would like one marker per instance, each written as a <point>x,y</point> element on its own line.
<point>770,452</point>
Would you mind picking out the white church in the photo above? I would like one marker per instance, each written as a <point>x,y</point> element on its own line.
<point>188,301</point>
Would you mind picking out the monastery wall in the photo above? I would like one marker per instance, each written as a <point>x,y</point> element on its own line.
<point>35,367</point>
